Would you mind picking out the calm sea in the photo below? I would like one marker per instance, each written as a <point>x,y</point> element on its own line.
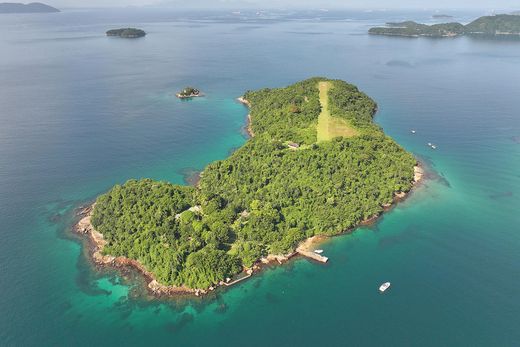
<point>80,112</point>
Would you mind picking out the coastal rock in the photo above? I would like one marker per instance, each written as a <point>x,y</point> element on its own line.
<point>249,127</point>
<point>400,195</point>
<point>418,173</point>
<point>154,286</point>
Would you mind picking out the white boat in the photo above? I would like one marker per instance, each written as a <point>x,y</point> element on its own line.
<point>384,287</point>
<point>318,251</point>
<point>429,144</point>
<point>434,147</point>
<point>413,131</point>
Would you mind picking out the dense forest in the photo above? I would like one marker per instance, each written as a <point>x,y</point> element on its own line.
<point>410,28</point>
<point>502,24</point>
<point>499,24</point>
<point>130,33</point>
<point>188,92</point>
<point>266,197</point>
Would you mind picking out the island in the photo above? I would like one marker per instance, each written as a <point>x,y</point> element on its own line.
<point>315,166</point>
<point>188,93</point>
<point>441,16</point>
<point>34,7</point>
<point>129,33</point>
<point>503,24</point>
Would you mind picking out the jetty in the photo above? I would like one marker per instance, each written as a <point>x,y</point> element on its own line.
<point>312,255</point>
<point>228,281</point>
<point>306,248</point>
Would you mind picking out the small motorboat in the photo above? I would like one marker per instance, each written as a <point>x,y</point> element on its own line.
<point>433,146</point>
<point>318,251</point>
<point>384,287</point>
<point>413,131</point>
<point>429,144</point>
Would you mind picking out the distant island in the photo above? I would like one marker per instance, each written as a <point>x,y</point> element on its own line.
<point>34,7</point>
<point>440,16</point>
<point>189,92</point>
<point>503,24</point>
<point>130,33</point>
<point>316,165</point>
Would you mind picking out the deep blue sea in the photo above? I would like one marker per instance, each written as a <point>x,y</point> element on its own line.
<point>80,112</point>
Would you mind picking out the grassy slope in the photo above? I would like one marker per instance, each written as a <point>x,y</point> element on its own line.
<point>329,126</point>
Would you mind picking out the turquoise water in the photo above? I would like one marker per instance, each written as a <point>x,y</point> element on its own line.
<point>80,112</point>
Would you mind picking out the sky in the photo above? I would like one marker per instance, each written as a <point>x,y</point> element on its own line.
<point>365,4</point>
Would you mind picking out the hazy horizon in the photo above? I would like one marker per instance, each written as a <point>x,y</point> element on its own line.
<point>506,5</point>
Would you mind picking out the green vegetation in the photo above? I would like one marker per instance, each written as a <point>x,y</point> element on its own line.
<point>330,127</point>
<point>414,29</point>
<point>265,198</point>
<point>488,25</point>
<point>151,222</point>
<point>130,33</point>
<point>495,25</point>
<point>189,92</point>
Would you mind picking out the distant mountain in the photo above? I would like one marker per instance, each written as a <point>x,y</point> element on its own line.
<point>516,13</point>
<point>413,29</point>
<point>502,24</point>
<point>34,7</point>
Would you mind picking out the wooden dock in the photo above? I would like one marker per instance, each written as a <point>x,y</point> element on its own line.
<point>249,274</point>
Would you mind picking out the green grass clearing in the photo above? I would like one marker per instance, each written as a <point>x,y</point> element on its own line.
<point>329,126</point>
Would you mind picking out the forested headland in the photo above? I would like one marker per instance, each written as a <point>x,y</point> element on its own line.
<point>267,197</point>
<point>502,24</point>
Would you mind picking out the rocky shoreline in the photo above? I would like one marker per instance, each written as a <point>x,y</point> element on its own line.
<point>248,127</point>
<point>180,96</point>
<point>97,242</point>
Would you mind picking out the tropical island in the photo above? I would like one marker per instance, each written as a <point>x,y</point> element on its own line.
<point>188,93</point>
<point>317,166</point>
<point>129,33</point>
<point>34,7</point>
<point>503,24</point>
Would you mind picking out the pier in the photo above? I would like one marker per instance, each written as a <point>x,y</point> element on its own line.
<point>312,255</point>
<point>249,274</point>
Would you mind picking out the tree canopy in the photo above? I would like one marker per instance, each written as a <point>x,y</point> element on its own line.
<point>126,33</point>
<point>266,197</point>
<point>502,24</point>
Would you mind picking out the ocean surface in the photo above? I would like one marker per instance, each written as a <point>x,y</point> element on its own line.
<point>80,112</point>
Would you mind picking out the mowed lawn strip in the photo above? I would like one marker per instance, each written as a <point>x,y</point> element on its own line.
<point>329,126</point>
